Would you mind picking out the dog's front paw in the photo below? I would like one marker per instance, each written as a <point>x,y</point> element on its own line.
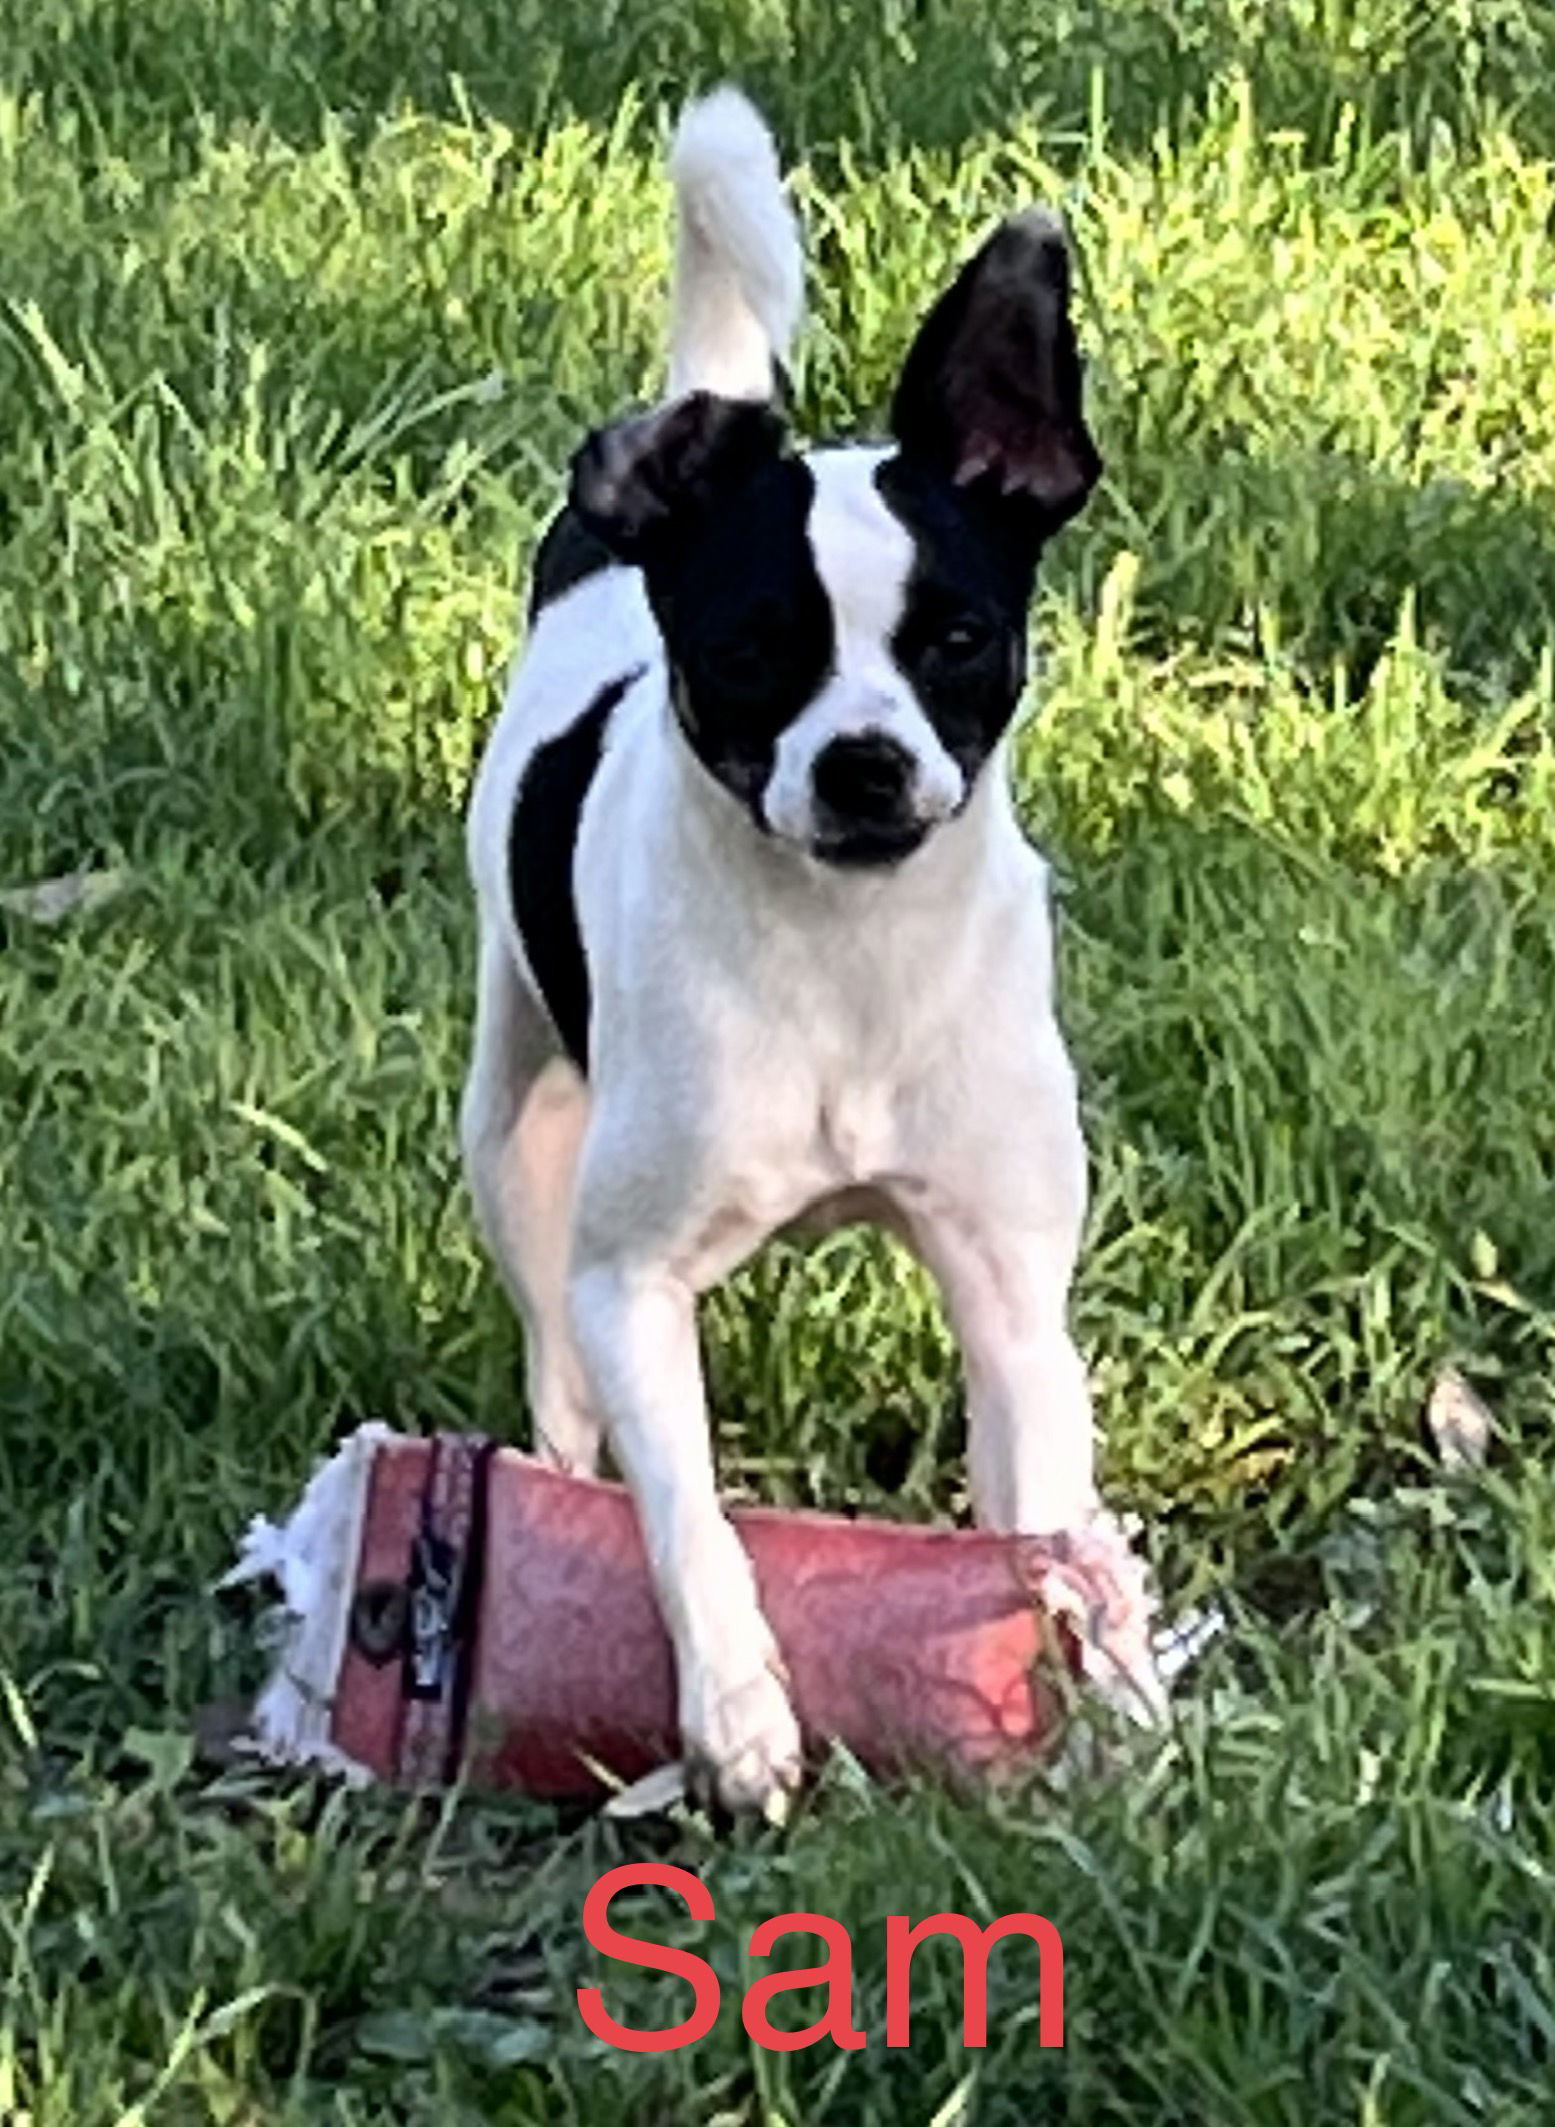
<point>740,1738</point>
<point>1092,1576</point>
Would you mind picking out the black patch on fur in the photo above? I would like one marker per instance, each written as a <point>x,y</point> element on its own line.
<point>568,555</point>
<point>705,498</point>
<point>747,625</point>
<point>994,457</point>
<point>542,846</point>
<point>961,640</point>
<point>645,483</point>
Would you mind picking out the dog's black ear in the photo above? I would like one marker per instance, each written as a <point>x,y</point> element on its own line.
<point>640,481</point>
<point>991,388</point>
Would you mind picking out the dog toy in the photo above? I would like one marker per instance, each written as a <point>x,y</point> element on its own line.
<point>453,1608</point>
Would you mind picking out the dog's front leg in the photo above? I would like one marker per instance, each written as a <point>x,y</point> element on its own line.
<point>635,1328</point>
<point>1031,1458</point>
<point>1031,1445</point>
<point>997,1218</point>
<point>999,1222</point>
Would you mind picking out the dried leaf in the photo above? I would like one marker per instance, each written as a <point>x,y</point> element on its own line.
<point>1459,1422</point>
<point>50,901</point>
<point>661,1789</point>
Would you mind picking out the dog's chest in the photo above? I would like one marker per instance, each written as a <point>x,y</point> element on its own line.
<point>858,1128</point>
<point>834,1115</point>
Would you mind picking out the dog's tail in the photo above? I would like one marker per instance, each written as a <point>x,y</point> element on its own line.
<point>739,267</point>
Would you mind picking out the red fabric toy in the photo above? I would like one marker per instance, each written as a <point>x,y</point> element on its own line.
<point>453,1607</point>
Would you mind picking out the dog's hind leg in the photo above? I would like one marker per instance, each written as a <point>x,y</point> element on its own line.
<point>521,1126</point>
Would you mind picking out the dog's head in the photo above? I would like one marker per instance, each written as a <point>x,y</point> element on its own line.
<point>846,631</point>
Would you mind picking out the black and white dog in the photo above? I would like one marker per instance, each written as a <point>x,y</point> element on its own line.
<point>761,939</point>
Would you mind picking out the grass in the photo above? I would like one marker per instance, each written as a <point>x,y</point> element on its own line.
<point>303,308</point>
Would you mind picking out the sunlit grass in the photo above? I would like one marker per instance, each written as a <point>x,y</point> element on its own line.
<point>303,309</point>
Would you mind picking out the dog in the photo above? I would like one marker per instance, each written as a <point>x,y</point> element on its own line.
<point>761,939</point>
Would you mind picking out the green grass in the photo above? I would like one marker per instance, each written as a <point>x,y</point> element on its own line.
<point>303,307</point>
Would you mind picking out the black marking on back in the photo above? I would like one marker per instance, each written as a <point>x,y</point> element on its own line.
<point>568,554</point>
<point>542,845</point>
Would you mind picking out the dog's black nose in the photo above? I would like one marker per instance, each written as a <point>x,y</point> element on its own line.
<point>865,777</point>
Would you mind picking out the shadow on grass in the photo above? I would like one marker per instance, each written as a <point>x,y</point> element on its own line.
<point>1333,549</point>
<point>884,76</point>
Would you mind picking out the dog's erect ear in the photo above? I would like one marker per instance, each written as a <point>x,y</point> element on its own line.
<point>990,391</point>
<point>638,482</point>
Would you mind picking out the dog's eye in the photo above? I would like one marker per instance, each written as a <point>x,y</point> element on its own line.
<point>962,642</point>
<point>740,667</point>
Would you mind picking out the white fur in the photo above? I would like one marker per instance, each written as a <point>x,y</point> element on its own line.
<point>739,268</point>
<point>771,1040</point>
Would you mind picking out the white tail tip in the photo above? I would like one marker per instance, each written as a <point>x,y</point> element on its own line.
<point>739,266</point>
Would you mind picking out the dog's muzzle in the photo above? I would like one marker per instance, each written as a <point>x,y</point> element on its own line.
<point>869,801</point>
